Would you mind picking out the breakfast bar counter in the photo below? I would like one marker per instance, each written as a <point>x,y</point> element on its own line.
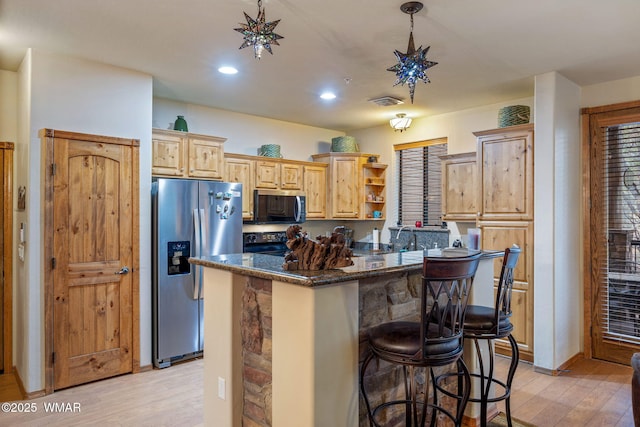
<point>282,348</point>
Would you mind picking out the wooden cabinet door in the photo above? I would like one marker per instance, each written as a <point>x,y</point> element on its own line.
<point>206,157</point>
<point>241,170</point>
<point>315,189</point>
<point>345,188</point>
<point>505,173</point>
<point>459,187</point>
<point>267,174</point>
<point>501,235</point>
<point>291,175</point>
<point>95,220</point>
<point>169,154</point>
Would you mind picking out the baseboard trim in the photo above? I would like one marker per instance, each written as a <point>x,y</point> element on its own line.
<point>563,367</point>
<point>23,392</point>
<point>467,421</point>
<point>145,368</point>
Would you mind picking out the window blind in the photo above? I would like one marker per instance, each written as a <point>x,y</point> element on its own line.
<point>620,304</point>
<point>419,177</point>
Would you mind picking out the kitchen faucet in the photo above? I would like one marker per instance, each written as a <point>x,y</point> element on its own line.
<point>401,228</point>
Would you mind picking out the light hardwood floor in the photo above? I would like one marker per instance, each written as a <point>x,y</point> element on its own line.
<point>589,393</point>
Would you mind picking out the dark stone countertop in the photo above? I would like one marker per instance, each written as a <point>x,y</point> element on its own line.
<point>270,267</point>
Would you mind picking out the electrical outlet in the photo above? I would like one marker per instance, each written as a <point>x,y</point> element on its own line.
<point>222,392</point>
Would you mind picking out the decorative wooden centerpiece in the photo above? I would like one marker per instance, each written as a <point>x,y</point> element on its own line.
<point>321,254</point>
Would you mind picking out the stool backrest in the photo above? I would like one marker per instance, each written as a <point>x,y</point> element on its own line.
<point>446,283</point>
<point>505,284</point>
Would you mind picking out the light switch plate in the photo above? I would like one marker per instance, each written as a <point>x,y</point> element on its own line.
<point>222,388</point>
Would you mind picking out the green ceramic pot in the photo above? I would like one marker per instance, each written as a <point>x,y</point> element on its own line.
<point>180,124</point>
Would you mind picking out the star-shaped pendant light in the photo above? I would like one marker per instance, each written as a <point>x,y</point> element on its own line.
<point>258,33</point>
<point>412,66</point>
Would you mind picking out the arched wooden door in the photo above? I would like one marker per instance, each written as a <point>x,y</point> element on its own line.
<point>94,259</point>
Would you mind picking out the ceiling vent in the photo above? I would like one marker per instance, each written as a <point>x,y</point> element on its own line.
<point>386,101</point>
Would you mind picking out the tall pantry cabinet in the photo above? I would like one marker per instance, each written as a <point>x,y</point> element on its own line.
<point>504,160</point>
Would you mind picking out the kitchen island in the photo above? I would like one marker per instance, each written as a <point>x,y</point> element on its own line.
<point>282,348</point>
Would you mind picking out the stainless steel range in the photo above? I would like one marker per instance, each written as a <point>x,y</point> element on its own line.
<point>268,242</point>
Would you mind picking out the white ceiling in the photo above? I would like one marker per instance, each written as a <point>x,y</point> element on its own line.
<point>488,50</point>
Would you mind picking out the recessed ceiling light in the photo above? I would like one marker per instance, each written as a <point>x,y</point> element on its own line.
<point>227,70</point>
<point>328,95</point>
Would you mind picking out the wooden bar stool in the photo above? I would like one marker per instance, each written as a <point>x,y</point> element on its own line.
<point>435,340</point>
<point>490,323</point>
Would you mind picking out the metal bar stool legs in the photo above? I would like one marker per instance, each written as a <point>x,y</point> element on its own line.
<point>487,380</point>
<point>415,411</point>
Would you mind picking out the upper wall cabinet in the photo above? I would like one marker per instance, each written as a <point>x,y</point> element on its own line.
<point>315,188</point>
<point>505,173</point>
<point>278,174</point>
<point>241,169</point>
<point>357,188</point>
<point>255,172</point>
<point>187,155</point>
<point>459,187</point>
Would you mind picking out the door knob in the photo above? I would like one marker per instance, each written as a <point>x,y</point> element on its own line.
<point>123,270</point>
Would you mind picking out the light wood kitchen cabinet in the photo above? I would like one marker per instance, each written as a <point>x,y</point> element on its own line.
<point>459,187</point>
<point>344,184</point>
<point>352,181</point>
<point>498,236</point>
<point>315,189</point>
<point>187,155</point>
<point>278,175</point>
<point>504,158</point>
<point>241,169</point>
<point>291,176</point>
<point>257,172</point>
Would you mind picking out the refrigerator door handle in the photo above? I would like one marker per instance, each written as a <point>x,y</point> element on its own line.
<point>197,232</point>
<point>199,291</point>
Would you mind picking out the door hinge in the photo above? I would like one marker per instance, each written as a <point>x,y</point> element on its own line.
<point>53,263</point>
<point>53,357</point>
<point>54,168</point>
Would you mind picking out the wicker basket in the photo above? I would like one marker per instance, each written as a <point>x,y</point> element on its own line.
<point>270,150</point>
<point>513,115</point>
<point>344,144</point>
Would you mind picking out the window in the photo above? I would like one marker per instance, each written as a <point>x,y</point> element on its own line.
<point>419,176</point>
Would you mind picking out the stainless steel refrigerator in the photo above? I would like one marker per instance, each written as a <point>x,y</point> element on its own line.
<point>189,218</point>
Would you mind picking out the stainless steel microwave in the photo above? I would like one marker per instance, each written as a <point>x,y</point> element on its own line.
<point>278,207</point>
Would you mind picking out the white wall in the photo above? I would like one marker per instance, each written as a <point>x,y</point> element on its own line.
<point>8,106</point>
<point>75,95</point>
<point>557,290</point>
<point>613,92</point>
<point>245,134</point>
